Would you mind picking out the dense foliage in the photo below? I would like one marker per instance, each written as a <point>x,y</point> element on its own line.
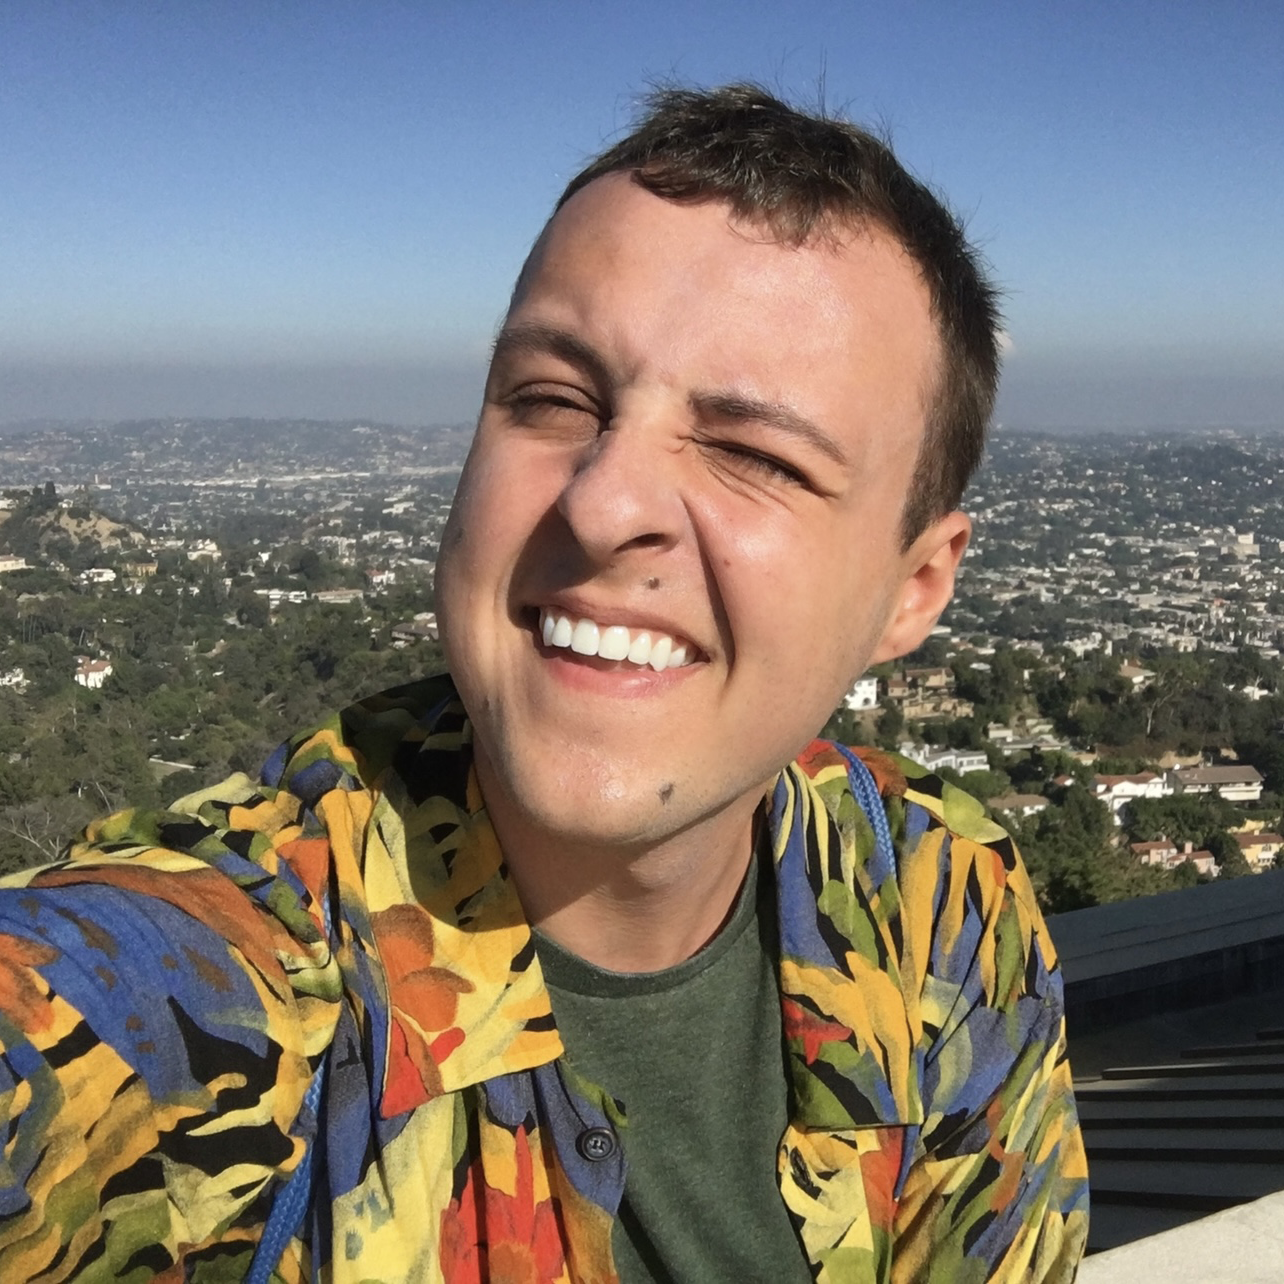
<point>1195,704</point>
<point>200,677</point>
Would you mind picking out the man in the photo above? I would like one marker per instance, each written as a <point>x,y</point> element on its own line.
<point>582,964</point>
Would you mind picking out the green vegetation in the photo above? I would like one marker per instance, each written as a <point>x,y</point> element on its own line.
<point>201,676</point>
<point>1194,704</point>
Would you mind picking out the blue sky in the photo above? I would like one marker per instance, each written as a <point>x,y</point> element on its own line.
<point>316,208</point>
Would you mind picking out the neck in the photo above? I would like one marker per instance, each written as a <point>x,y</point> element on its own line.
<point>638,908</point>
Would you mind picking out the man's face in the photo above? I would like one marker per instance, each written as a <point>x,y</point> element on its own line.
<point>692,432</point>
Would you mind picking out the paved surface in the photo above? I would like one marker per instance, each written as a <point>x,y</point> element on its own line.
<point>1243,1245</point>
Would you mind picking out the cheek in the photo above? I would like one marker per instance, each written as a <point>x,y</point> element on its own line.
<point>484,510</point>
<point>770,584</point>
<point>799,602</point>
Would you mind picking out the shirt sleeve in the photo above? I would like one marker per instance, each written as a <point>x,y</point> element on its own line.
<point>996,1189</point>
<point>162,1006</point>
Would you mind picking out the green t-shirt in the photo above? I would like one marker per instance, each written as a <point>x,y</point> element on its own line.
<point>696,1057</point>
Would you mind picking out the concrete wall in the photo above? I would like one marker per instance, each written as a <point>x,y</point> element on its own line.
<point>1175,950</point>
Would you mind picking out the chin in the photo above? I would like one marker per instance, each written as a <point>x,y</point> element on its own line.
<point>581,800</point>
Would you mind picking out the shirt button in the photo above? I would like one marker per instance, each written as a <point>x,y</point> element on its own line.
<point>596,1144</point>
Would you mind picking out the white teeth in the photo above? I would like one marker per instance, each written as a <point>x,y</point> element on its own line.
<point>640,651</point>
<point>585,638</point>
<point>613,642</point>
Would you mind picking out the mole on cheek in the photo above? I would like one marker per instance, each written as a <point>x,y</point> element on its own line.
<point>666,792</point>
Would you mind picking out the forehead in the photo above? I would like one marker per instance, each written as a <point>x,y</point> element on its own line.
<point>683,292</point>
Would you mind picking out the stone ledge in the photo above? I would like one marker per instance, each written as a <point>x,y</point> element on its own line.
<point>1243,1245</point>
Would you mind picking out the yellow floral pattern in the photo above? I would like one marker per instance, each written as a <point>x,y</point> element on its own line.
<point>170,991</point>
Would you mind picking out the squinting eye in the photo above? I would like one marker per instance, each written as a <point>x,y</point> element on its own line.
<point>548,405</point>
<point>764,464</point>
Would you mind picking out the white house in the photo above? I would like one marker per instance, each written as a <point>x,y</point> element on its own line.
<point>1117,791</point>
<point>92,673</point>
<point>933,758</point>
<point>863,695</point>
<point>1139,678</point>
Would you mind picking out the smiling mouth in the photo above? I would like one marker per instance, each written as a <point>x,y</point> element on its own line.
<point>641,647</point>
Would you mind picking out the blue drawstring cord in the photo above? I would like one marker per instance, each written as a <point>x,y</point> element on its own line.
<point>865,787</point>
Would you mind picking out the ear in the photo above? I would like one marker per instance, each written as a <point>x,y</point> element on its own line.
<point>929,566</point>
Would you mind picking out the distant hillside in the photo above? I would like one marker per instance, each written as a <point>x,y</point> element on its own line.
<point>39,527</point>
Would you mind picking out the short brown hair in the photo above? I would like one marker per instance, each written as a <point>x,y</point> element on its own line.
<point>800,174</point>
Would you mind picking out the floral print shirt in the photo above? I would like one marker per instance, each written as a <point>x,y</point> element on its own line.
<point>312,1002</point>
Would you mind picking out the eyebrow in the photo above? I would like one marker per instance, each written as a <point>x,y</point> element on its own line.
<point>774,415</point>
<point>536,338</point>
<point>532,338</point>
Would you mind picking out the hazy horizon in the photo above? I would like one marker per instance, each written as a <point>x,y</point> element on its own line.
<point>318,211</point>
<point>1080,395</point>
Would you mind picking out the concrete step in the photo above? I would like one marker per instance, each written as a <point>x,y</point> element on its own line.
<point>1210,1112</point>
<point>1263,1048</point>
<point>1182,1069</point>
<point>1196,1184</point>
<point>1192,1087</point>
<point>1217,1145</point>
<point>1275,1033</point>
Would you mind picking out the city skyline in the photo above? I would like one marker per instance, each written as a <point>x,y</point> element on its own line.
<point>318,211</point>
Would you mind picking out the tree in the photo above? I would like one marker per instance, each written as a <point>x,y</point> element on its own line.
<point>1183,818</point>
<point>843,725</point>
<point>986,784</point>
<point>251,609</point>
<point>1228,854</point>
<point>890,725</point>
<point>1266,753</point>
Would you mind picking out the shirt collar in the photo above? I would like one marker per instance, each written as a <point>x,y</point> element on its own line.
<point>466,996</point>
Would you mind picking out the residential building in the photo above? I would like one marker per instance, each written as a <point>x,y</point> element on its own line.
<point>863,695</point>
<point>1260,850</point>
<point>1235,784</point>
<point>92,673</point>
<point>1118,791</point>
<point>1161,852</point>
<point>1019,804</point>
<point>339,597</point>
<point>423,628</point>
<point>934,758</point>
<point>1167,855</point>
<point>1134,674</point>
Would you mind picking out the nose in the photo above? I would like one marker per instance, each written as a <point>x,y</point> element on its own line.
<point>623,495</point>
